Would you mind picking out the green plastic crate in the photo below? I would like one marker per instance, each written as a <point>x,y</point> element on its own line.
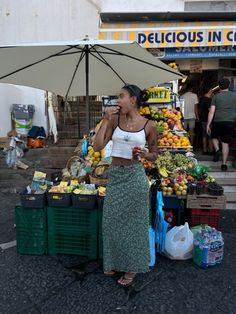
<point>72,231</point>
<point>72,219</point>
<point>31,230</point>
<point>100,246</point>
<point>71,242</point>
<point>100,221</point>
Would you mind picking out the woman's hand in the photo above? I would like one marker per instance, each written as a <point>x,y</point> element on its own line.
<point>144,153</point>
<point>110,111</point>
<point>208,130</point>
<point>140,152</point>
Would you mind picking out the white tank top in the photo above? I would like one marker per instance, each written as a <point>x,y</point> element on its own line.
<point>124,142</point>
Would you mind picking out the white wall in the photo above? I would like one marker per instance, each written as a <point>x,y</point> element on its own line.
<point>11,94</point>
<point>47,20</point>
<point>141,6</point>
<point>23,21</point>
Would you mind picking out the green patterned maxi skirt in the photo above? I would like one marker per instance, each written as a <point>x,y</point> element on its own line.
<point>126,220</point>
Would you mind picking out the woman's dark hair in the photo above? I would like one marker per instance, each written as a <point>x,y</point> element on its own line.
<point>133,90</point>
<point>204,90</point>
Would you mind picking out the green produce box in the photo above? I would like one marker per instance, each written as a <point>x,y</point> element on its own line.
<point>72,231</point>
<point>72,242</point>
<point>100,246</point>
<point>31,230</point>
<point>72,219</point>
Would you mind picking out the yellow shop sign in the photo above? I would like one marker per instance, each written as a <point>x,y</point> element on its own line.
<point>172,34</point>
<point>158,95</point>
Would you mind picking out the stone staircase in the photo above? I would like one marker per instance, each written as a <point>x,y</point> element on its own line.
<point>225,178</point>
<point>50,160</point>
<point>52,157</point>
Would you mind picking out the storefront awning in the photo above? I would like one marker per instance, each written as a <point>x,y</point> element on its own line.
<point>172,34</point>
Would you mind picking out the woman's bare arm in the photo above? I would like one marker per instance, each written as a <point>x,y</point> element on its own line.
<point>152,134</point>
<point>105,132</point>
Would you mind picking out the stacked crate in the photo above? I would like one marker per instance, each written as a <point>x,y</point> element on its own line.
<point>31,230</point>
<point>100,238</point>
<point>73,230</point>
<point>205,209</point>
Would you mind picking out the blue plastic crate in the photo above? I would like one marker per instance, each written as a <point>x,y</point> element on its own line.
<point>172,202</point>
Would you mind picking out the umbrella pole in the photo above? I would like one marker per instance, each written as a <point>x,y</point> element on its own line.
<point>87,108</point>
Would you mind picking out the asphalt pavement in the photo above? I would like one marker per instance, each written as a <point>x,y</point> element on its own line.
<point>74,284</point>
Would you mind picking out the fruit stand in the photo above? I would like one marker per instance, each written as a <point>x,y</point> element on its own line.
<point>69,210</point>
<point>181,178</point>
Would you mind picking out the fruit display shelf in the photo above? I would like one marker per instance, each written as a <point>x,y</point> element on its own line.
<point>175,149</point>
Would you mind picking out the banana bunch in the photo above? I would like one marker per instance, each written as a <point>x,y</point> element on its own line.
<point>166,161</point>
<point>181,160</point>
<point>102,191</point>
<point>163,172</point>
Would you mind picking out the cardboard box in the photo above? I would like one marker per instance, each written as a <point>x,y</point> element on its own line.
<point>4,142</point>
<point>206,201</point>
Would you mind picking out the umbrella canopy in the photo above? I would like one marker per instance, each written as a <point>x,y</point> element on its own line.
<point>86,67</point>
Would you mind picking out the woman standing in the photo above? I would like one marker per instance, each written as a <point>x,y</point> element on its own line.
<point>204,107</point>
<point>126,206</point>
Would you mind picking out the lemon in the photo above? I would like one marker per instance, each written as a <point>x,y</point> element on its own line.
<point>96,154</point>
<point>102,153</point>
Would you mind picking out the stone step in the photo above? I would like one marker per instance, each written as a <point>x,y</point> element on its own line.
<point>213,164</point>
<point>231,206</point>
<point>54,150</point>
<point>209,158</point>
<point>230,197</point>
<point>218,174</point>
<point>14,181</point>
<point>231,200</point>
<point>229,184</point>
<point>229,189</point>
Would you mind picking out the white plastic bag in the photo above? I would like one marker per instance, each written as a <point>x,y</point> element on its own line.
<point>179,243</point>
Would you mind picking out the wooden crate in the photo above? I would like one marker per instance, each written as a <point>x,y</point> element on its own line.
<point>206,201</point>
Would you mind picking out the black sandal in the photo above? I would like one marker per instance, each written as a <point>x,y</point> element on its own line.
<point>126,280</point>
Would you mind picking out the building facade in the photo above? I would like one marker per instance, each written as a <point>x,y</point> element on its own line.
<point>198,35</point>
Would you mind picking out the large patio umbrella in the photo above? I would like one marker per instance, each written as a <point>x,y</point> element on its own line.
<point>82,68</point>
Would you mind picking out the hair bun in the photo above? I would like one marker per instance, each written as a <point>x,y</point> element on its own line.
<point>144,96</point>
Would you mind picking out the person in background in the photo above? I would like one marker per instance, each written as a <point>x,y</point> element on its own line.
<point>182,117</point>
<point>126,205</point>
<point>221,118</point>
<point>190,110</point>
<point>204,106</point>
